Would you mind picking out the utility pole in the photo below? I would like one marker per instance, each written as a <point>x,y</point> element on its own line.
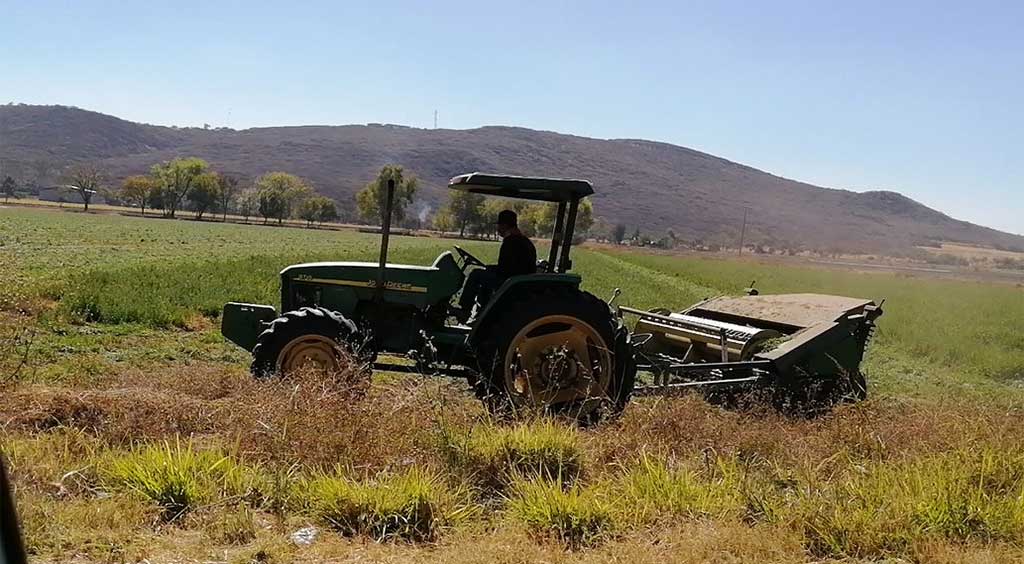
<point>743,231</point>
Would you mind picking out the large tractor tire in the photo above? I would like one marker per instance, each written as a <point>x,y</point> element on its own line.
<point>315,338</point>
<point>560,352</point>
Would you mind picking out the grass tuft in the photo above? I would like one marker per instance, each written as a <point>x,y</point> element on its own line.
<point>575,517</point>
<point>410,506</point>
<point>178,478</point>
<point>651,488</point>
<point>492,455</point>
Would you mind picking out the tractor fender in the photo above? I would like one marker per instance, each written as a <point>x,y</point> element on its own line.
<point>511,291</point>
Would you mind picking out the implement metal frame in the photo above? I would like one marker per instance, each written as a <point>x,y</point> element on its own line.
<point>673,373</point>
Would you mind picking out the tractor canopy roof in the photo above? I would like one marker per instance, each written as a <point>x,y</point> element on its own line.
<point>522,187</point>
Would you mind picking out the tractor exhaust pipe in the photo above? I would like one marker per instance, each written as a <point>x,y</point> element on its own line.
<point>385,233</point>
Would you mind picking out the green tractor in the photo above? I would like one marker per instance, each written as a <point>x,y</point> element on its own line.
<point>539,343</point>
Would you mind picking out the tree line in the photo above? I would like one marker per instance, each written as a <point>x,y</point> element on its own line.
<point>476,214</point>
<point>463,212</point>
<point>190,183</point>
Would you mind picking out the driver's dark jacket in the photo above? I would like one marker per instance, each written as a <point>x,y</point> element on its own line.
<point>517,256</point>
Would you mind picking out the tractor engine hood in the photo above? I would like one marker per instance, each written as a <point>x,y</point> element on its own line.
<point>354,282</point>
<point>359,274</point>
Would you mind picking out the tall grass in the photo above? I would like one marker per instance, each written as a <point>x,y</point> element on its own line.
<point>963,496</point>
<point>168,295</point>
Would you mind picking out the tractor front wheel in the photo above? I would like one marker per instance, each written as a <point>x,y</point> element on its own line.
<point>559,352</point>
<point>308,338</point>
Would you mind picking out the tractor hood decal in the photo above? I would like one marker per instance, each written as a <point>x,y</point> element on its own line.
<point>396,286</point>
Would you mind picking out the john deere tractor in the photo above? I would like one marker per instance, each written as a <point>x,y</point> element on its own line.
<point>538,343</point>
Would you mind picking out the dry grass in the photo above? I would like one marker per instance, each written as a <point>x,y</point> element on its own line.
<point>305,419</point>
<point>929,481</point>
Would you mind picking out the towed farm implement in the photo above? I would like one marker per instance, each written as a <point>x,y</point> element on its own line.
<point>540,342</point>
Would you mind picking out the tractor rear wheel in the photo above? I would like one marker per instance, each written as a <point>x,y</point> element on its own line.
<point>559,352</point>
<point>311,337</point>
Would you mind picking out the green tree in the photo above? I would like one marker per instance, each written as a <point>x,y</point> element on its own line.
<point>205,193</point>
<point>156,197</point>
<point>530,217</point>
<point>138,190</point>
<point>371,199</point>
<point>328,211</point>
<point>229,190</point>
<point>584,221</point>
<point>465,209</point>
<point>85,180</point>
<point>544,216</point>
<point>443,220</point>
<point>9,187</point>
<point>317,209</point>
<point>176,179</point>
<point>279,194</point>
<point>489,216</point>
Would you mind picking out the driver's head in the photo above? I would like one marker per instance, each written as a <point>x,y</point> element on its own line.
<point>508,222</point>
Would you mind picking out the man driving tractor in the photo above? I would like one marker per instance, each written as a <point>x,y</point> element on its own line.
<point>517,256</point>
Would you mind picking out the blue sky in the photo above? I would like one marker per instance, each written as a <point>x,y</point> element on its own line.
<point>919,97</point>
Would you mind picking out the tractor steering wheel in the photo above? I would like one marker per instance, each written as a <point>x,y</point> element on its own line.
<point>467,259</point>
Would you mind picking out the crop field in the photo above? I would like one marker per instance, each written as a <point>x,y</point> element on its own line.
<point>134,431</point>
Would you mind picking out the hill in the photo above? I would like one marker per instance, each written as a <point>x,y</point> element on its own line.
<point>655,186</point>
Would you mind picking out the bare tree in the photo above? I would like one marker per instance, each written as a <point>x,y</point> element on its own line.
<point>229,189</point>
<point>85,180</point>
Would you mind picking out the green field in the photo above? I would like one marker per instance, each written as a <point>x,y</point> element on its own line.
<point>134,431</point>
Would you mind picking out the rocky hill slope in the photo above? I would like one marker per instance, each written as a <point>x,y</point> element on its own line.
<point>655,186</point>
